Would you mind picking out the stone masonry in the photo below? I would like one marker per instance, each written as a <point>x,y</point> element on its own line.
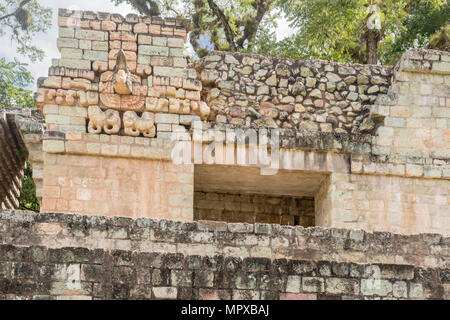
<point>21,132</point>
<point>310,95</point>
<point>369,145</point>
<point>65,256</point>
<point>357,207</point>
<point>253,208</point>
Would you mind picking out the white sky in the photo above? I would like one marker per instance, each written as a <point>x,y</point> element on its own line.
<point>47,41</point>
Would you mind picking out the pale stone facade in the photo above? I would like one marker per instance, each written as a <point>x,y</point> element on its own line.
<point>118,187</point>
<point>369,145</point>
<point>354,147</point>
<point>56,256</point>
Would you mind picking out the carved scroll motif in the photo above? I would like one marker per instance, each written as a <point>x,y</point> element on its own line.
<point>135,125</point>
<point>132,103</point>
<point>108,120</point>
<point>110,100</point>
<point>121,90</point>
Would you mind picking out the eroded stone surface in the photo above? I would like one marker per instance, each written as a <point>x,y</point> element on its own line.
<point>76,257</point>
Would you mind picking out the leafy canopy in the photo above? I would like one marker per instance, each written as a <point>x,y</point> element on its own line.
<point>336,29</point>
<point>14,78</point>
<point>22,20</point>
<point>424,23</point>
<point>28,200</point>
<point>231,25</point>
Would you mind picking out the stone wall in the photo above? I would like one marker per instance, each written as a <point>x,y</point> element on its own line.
<point>413,138</point>
<point>97,47</point>
<point>254,208</point>
<point>111,186</point>
<point>261,91</point>
<point>20,140</point>
<point>384,203</point>
<point>60,256</point>
<point>122,87</point>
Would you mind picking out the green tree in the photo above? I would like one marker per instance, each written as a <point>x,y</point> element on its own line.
<point>28,200</point>
<point>441,39</point>
<point>425,26</point>
<point>339,30</point>
<point>231,25</point>
<point>14,78</point>
<point>23,20</point>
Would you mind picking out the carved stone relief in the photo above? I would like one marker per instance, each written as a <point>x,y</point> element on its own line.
<point>135,125</point>
<point>108,120</point>
<point>117,86</point>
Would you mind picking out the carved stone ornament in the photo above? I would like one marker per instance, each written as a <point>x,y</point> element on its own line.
<point>122,77</point>
<point>116,88</point>
<point>135,125</point>
<point>108,120</point>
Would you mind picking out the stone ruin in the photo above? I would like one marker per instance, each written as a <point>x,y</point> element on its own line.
<point>358,147</point>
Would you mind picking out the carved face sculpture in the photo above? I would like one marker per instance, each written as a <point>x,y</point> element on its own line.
<point>122,82</point>
<point>116,88</point>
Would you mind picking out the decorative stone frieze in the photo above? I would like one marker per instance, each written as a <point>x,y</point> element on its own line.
<point>372,140</point>
<point>114,64</point>
<point>261,91</point>
<point>108,121</point>
<point>135,125</point>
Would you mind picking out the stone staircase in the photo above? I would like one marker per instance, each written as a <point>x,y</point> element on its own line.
<point>21,132</point>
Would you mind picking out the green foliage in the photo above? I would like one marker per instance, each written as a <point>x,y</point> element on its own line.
<point>14,78</point>
<point>337,29</point>
<point>324,29</point>
<point>146,7</point>
<point>230,25</point>
<point>28,200</point>
<point>424,21</point>
<point>22,20</point>
<point>441,39</point>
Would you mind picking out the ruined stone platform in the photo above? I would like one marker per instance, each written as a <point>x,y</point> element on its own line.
<point>67,256</point>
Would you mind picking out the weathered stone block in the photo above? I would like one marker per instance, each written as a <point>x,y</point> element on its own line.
<point>167,118</point>
<point>75,63</point>
<point>416,291</point>
<point>165,292</point>
<point>67,43</point>
<point>341,286</point>
<point>95,55</point>
<point>153,50</point>
<point>91,35</point>
<point>293,284</point>
<point>313,284</point>
<point>399,289</point>
<point>53,146</point>
<point>66,32</point>
<point>169,72</point>
<point>376,287</point>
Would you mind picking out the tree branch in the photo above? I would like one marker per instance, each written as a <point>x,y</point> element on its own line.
<point>141,6</point>
<point>170,8</point>
<point>21,5</point>
<point>226,27</point>
<point>7,16</point>
<point>251,27</point>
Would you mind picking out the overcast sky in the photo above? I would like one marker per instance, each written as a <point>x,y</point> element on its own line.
<point>47,41</point>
